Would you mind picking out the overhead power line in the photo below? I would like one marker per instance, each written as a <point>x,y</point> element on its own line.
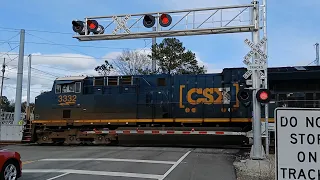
<point>44,31</point>
<point>9,51</point>
<point>7,86</point>
<point>74,45</point>
<point>6,41</point>
<point>44,72</point>
<point>56,43</point>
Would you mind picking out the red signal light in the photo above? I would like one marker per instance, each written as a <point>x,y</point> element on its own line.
<point>165,20</point>
<point>94,27</point>
<point>263,96</point>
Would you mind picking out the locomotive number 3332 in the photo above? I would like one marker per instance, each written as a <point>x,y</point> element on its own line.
<point>67,98</point>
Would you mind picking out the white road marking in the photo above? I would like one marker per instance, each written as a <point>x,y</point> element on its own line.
<point>86,172</point>
<point>111,159</point>
<point>58,176</point>
<point>175,165</point>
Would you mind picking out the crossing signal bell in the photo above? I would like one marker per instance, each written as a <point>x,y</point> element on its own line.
<point>92,26</point>
<point>263,96</point>
<point>164,20</point>
<point>244,96</point>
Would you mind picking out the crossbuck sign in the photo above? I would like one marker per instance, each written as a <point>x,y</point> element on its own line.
<point>121,24</point>
<point>258,64</point>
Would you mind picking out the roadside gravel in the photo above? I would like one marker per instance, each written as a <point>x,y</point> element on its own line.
<point>247,169</point>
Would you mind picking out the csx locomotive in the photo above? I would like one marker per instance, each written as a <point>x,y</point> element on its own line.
<point>77,104</point>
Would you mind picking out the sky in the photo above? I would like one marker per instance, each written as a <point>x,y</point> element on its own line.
<point>292,28</point>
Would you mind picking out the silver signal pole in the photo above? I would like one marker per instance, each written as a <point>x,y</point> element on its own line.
<point>317,54</point>
<point>265,49</point>
<point>28,89</point>
<point>154,41</point>
<point>17,109</point>
<point>257,141</point>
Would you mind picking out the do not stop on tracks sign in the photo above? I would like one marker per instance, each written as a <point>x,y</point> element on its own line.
<point>297,143</point>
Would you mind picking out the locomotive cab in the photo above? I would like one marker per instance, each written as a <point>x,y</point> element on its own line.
<point>63,99</point>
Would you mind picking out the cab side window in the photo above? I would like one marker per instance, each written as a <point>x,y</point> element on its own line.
<point>58,89</point>
<point>78,87</point>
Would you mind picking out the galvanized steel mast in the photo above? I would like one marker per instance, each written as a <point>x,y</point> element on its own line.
<point>28,89</point>
<point>257,141</point>
<point>265,48</point>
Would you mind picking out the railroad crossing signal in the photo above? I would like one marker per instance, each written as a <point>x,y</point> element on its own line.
<point>78,27</point>
<point>92,26</point>
<point>263,96</point>
<point>165,20</point>
<point>182,26</point>
<point>244,96</point>
<point>149,21</point>
<point>95,27</point>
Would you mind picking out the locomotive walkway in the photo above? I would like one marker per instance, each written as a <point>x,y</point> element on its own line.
<point>120,163</point>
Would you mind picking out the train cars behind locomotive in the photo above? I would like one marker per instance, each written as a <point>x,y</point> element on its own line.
<point>164,100</point>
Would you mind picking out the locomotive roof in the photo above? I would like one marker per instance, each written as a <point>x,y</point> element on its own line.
<point>71,78</point>
<point>288,69</point>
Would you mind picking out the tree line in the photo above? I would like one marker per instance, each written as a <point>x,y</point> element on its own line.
<point>170,55</point>
<point>8,106</point>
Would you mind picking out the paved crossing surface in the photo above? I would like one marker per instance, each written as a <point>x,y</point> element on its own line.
<point>125,163</point>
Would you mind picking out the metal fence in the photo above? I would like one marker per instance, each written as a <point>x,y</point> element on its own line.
<point>10,132</point>
<point>8,117</point>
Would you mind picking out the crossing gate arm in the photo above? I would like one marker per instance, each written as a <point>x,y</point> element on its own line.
<point>171,132</point>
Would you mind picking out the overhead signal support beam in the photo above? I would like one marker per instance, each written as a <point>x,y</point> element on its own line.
<point>170,23</point>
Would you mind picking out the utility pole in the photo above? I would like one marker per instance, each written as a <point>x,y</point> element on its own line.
<point>154,41</point>
<point>2,79</point>
<point>17,109</point>
<point>28,89</point>
<point>317,54</point>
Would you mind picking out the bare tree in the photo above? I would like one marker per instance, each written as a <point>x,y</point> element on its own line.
<point>131,62</point>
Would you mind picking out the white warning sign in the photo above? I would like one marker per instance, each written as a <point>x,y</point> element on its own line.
<point>297,143</point>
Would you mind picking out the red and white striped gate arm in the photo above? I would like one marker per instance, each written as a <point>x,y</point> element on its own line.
<point>164,132</point>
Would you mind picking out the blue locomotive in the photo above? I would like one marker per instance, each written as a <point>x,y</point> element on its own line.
<point>78,104</point>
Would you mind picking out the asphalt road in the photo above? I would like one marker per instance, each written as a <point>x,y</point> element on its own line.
<point>125,163</point>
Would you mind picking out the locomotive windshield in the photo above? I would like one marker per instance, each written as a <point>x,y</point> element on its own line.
<point>74,87</point>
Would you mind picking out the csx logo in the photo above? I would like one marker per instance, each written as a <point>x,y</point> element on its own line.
<point>207,96</point>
